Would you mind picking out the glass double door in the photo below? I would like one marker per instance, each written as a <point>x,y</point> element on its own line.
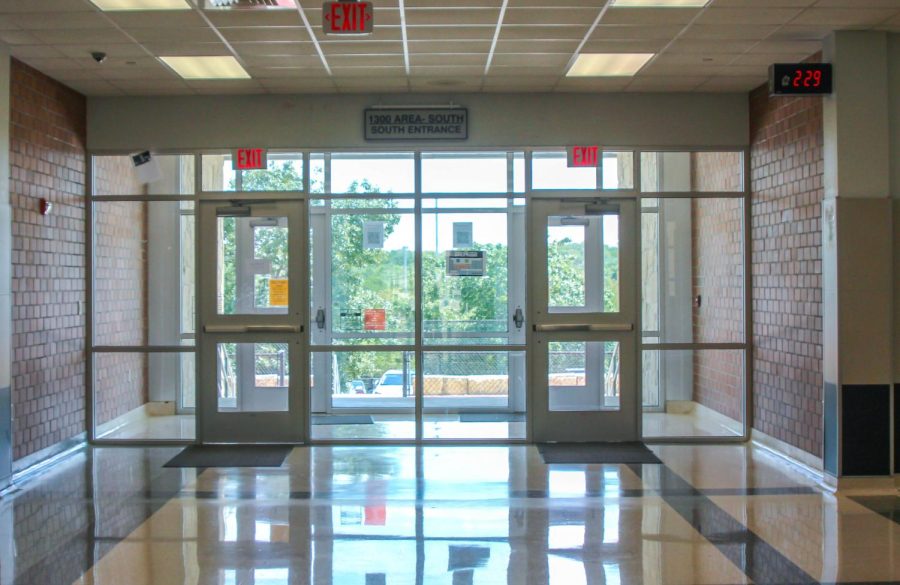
<point>252,311</point>
<point>583,310</point>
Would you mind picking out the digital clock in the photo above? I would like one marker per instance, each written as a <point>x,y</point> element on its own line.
<point>800,79</point>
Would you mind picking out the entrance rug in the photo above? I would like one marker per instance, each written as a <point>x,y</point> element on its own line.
<point>231,456</point>
<point>342,419</point>
<point>586,453</point>
<point>470,417</point>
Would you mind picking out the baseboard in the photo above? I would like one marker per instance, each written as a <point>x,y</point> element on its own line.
<point>166,408</point>
<point>714,415</point>
<point>140,413</point>
<point>29,463</point>
<point>794,454</point>
<point>680,406</point>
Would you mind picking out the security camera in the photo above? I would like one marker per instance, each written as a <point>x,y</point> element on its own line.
<point>98,56</point>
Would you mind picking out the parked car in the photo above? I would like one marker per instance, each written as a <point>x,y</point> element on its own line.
<point>391,384</point>
<point>357,387</point>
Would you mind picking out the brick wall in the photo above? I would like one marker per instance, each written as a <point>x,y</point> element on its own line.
<point>120,289</point>
<point>787,168</point>
<point>718,279</point>
<point>47,160</point>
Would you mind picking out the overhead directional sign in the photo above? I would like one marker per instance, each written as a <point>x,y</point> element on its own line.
<point>450,123</point>
<point>347,17</point>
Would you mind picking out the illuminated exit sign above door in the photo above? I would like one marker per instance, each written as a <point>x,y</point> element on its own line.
<point>248,159</point>
<point>583,156</point>
<point>347,17</point>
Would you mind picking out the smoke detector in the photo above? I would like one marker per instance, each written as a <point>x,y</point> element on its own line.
<point>250,4</point>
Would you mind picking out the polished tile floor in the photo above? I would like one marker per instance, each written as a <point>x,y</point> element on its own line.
<point>446,515</point>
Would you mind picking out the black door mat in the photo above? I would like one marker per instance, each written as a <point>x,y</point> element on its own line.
<point>231,456</point>
<point>471,417</point>
<point>342,419</point>
<point>588,453</point>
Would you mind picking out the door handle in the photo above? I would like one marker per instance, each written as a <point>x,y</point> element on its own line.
<point>519,318</point>
<point>253,329</point>
<point>320,318</point>
<point>583,327</point>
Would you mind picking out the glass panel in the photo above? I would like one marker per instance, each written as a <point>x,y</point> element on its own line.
<point>618,170</point>
<point>253,377</point>
<point>584,375</point>
<point>373,276</point>
<point>165,174</point>
<point>284,172</point>
<point>701,392</point>
<point>253,265</point>
<point>139,395</point>
<point>373,173</point>
<point>519,172</point>
<point>317,173</point>
<point>692,171</point>
<point>377,387</point>
<point>137,243</point>
<point>491,383</point>
<point>650,371</point>
<point>218,173</point>
<point>465,283</point>
<point>464,172</point>
<point>692,254</point>
<point>549,170</point>
<point>583,263</point>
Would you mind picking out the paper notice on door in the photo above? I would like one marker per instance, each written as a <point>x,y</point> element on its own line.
<point>374,319</point>
<point>278,292</point>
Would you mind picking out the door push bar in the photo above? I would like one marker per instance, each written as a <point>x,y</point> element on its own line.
<point>579,327</point>
<point>253,329</point>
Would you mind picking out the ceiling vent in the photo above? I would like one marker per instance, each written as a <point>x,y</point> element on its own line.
<point>249,4</point>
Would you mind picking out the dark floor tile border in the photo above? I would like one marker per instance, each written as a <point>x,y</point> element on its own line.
<point>756,558</point>
<point>887,506</point>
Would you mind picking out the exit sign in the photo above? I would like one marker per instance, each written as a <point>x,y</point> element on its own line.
<point>248,159</point>
<point>583,156</point>
<point>347,17</point>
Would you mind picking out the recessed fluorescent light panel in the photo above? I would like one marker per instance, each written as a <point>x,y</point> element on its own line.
<point>206,67</point>
<point>662,3</point>
<point>608,64</point>
<point>122,5</point>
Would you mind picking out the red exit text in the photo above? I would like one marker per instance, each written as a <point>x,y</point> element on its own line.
<point>347,18</point>
<point>583,156</point>
<point>246,159</point>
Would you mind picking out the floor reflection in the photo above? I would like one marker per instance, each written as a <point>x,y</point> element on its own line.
<point>402,515</point>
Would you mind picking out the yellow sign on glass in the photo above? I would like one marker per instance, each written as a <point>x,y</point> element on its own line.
<point>278,292</point>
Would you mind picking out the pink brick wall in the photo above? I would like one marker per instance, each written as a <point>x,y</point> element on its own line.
<point>47,160</point>
<point>787,167</point>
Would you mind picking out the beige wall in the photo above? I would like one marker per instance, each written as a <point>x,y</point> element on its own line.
<point>494,120</point>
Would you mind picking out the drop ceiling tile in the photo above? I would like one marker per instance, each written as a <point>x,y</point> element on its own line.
<point>157,18</point>
<point>444,60</point>
<point>747,16</point>
<point>458,33</point>
<point>19,37</point>
<point>113,51</point>
<point>85,60</point>
<point>895,4</point>
<point>274,49</point>
<point>632,32</point>
<point>458,3</point>
<point>597,4</point>
<point>775,46</point>
<point>537,46</point>
<point>480,47</point>
<point>95,87</point>
<point>265,34</point>
<point>39,51</point>
<point>376,61</point>
<point>309,72</point>
<point>450,16</point>
<point>381,33</point>
<point>764,59</point>
<point>383,85</point>
<point>792,32</point>
<point>77,37</point>
<point>764,3</point>
<point>47,63</point>
<point>696,59</point>
<point>362,47</point>
<point>283,61</point>
<point>383,17</point>
<point>456,71</point>
<point>543,16</point>
<point>499,85</point>
<point>506,71</point>
<point>159,72</point>
<point>70,74</point>
<point>369,71</point>
<point>445,85</point>
<point>240,18</point>
<point>648,46</point>
<point>173,35</point>
<point>649,16</point>
<point>729,32</point>
<point>559,60</point>
<point>69,20</point>
<point>704,46</point>
<point>223,86</point>
<point>674,83</point>
<point>188,49</point>
<point>656,69</point>
<point>546,32</point>
<point>280,85</point>
<point>843,17</point>
<point>45,6</point>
